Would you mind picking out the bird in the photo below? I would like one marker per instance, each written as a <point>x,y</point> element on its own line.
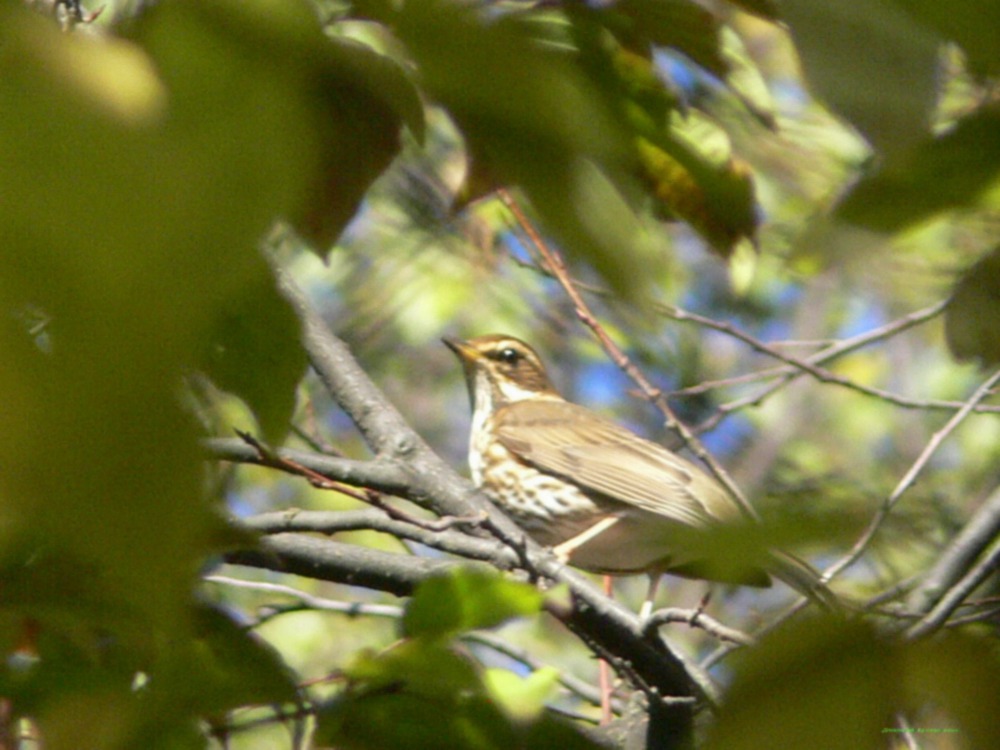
<point>603,498</point>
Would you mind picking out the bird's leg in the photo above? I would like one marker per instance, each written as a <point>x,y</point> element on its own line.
<point>605,671</point>
<point>565,550</point>
<point>647,605</point>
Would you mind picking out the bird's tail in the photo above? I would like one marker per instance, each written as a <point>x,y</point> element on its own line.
<point>802,577</point>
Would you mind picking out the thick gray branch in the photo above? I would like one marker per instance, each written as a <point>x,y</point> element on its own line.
<point>384,475</point>
<point>327,560</point>
<point>604,624</point>
<point>406,466</point>
<point>332,522</point>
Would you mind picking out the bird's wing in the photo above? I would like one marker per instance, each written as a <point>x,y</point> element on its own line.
<point>568,440</point>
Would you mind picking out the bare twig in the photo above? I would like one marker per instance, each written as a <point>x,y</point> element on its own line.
<point>557,267</point>
<point>351,609</point>
<point>907,480</point>
<point>796,367</point>
<point>957,594</point>
<point>697,618</point>
<point>406,462</point>
<point>333,522</point>
<point>575,685</point>
<point>956,559</point>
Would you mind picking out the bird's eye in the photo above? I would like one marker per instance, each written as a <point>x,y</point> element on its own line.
<point>509,356</point>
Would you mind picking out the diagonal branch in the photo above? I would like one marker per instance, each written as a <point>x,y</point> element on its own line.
<point>557,267</point>
<point>984,390</point>
<point>958,557</point>
<point>333,522</point>
<point>404,465</point>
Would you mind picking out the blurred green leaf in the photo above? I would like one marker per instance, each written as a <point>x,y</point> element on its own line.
<point>973,25</point>
<point>423,694</point>
<point>961,676</point>
<point>432,666</point>
<point>364,99</point>
<point>255,353</point>
<point>355,99</point>
<point>680,25</point>
<point>235,668</point>
<point>716,200</point>
<point>538,117</point>
<point>686,160</point>
<point>764,8</point>
<point>746,80</point>
<point>466,599</point>
<point>972,319</point>
<point>522,698</point>
<point>950,171</point>
<point>138,178</point>
<point>811,684</point>
<point>391,698</point>
<point>872,63</point>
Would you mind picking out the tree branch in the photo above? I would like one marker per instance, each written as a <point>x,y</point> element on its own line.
<point>984,390</point>
<point>956,560</point>
<point>332,522</point>
<point>385,475</point>
<point>406,466</point>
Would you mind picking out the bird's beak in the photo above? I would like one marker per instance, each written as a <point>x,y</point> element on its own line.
<point>469,356</point>
<point>466,353</point>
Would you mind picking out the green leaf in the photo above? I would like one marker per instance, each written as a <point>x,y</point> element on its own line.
<point>972,319</point>
<point>255,354</point>
<point>715,196</point>
<point>363,99</point>
<point>872,63</point>
<point>138,178</point>
<point>746,80</point>
<point>812,684</point>
<point>433,667</point>
<point>685,160</point>
<point>973,25</point>
<point>522,698</point>
<point>764,8</point>
<point>421,694</point>
<point>235,668</point>
<point>542,118</point>
<point>465,599</point>
<point>414,721</point>
<point>960,675</point>
<point>679,25</point>
<point>950,171</point>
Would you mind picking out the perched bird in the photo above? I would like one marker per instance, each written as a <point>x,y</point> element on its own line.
<point>605,499</point>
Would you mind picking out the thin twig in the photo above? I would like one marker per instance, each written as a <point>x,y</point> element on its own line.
<point>557,266</point>
<point>958,556</point>
<point>907,480</point>
<point>575,685</point>
<point>794,365</point>
<point>351,609</point>
<point>362,494</point>
<point>697,618</point>
<point>954,597</point>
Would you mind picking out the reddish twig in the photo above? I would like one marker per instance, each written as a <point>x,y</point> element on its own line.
<point>557,267</point>
<point>363,494</point>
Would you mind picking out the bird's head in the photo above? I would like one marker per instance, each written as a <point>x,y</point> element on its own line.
<point>505,366</point>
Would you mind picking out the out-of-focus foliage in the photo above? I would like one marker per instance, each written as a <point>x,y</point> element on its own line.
<point>144,159</point>
<point>139,175</point>
<point>816,685</point>
<point>466,600</point>
<point>423,692</point>
<point>971,322</point>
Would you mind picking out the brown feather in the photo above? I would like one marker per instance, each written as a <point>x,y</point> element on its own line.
<point>575,443</point>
